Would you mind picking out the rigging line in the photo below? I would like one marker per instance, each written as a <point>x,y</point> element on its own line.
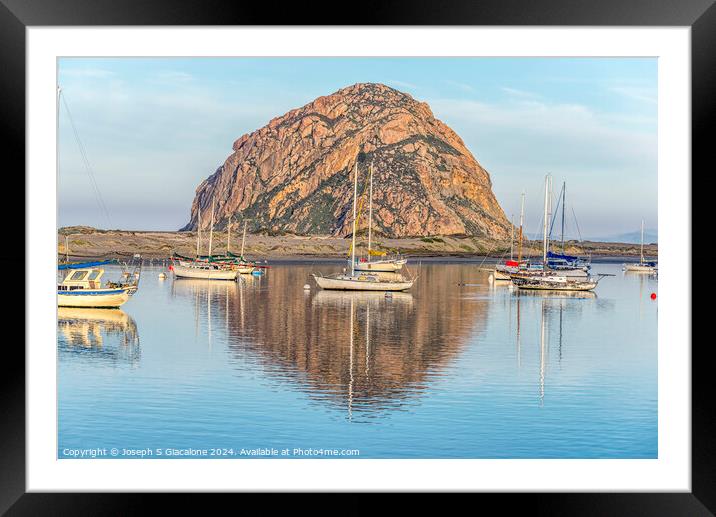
<point>577,224</point>
<point>556,210</point>
<point>83,153</point>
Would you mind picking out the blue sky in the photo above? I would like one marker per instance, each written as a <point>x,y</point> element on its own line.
<point>153,129</point>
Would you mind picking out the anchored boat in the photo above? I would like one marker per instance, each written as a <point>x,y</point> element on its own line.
<point>643,266</point>
<point>82,287</point>
<point>386,264</point>
<point>563,277</point>
<point>359,280</point>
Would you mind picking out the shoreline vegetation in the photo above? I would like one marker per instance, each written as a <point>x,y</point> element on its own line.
<point>86,242</point>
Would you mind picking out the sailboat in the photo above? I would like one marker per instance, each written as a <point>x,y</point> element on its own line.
<point>568,265</point>
<point>82,287</point>
<point>547,279</point>
<point>82,283</point>
<point>643,266</point>
<point>503,271</point>
<point>202,267</point>
<point>386,264</point>
<point>358,280</point>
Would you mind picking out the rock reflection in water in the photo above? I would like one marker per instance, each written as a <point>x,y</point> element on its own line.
<point>109,334</point>
<point>359,351</point>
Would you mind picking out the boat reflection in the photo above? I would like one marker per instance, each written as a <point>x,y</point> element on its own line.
<point>364,298</point>
<point>106,333</point>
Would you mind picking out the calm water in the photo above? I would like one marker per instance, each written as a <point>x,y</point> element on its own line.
<point>442,371</point>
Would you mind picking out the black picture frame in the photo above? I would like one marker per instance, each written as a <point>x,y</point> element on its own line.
<point>700,15</point>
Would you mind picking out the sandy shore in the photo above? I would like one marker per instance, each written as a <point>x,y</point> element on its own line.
<point>90,243</point>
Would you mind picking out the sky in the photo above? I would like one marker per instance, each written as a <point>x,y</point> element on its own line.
<point>153,128</point>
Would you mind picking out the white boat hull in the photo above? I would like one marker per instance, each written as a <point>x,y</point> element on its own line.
<point>500,275</point>
<point>552,283</point>
<point>638,268</point>
<point>97,298</point>
<point>385,266</point>
<point>354,284</point>
<point>204,274</point>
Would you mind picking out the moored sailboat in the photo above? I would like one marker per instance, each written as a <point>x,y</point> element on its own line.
<point>202,267</point>
<point>552,279</point>
<point>386,264</point>
<point>643,266</point>
<point>360,281</point>
<point>82,287</point>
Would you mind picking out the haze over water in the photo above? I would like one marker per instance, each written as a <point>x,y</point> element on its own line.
<point>440,371</point>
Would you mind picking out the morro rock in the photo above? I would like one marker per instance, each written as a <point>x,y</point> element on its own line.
<point>295,173</point>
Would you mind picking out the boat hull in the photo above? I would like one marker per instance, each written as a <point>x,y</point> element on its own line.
<point>204,274</point>
<point>543,284</point>
<point>98,298</point>
<point>500,275</point>
<point>381,266</point>
<point>343,284</point>
<point>638,268</point>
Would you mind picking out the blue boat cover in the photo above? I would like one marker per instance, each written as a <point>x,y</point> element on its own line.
<point>570,258</point>
<point>81,265</point>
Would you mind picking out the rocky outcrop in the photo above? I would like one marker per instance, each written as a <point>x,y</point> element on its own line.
<point>295,173</point>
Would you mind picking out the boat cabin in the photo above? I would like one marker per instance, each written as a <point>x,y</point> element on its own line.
<point>87,278</point>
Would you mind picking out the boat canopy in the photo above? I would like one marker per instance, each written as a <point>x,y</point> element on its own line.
<point>82,265</point>
<point>556,256</point>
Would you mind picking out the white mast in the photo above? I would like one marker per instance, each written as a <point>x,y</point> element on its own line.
<point>546,219</point>
<point>522,217</point>
<point>512,236</point>
<point>198,231</point>
<point>228,236</point>
<point>211,229</point>
<point>353,243</point>
<point>370,209</point>
<point>243,240</point>
<point>642,241</point>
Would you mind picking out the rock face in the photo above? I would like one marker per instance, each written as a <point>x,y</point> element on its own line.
<point>295,174</point>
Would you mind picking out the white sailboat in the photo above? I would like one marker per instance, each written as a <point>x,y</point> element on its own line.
<point>206,270</point>
<point>546,279</point>
<point>360,281</point>
<point>388,264</point>
<point>643,266</point>
<point>503,271</point>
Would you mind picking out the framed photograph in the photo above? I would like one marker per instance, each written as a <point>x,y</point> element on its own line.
<point>442,250</point>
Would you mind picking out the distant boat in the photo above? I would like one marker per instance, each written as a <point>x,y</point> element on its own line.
<point>386,264</point>
<point>503,271</point>
<point>360,281</point>
<point>643,266</point>
<point>546,278</point>
<point>203,267</point>
<point>553,282</point>
<point>82,287</point>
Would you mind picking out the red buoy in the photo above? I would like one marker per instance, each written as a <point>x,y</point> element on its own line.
<point>653,296</point>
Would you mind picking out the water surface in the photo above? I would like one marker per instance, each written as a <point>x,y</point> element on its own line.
<point>445,370</point>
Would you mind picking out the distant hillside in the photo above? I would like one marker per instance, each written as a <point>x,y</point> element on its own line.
<point>651,236</point>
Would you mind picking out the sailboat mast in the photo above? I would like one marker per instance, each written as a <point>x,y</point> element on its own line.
<point>641,253</point>
<point>228,237</point>
<point>564,194</point>
<point>211,228</point>
<point>355,196</point>
<point>522,217</point>
<point>512,235</point>
<point>198,232</point>
<point>546,219</point>
<point>243,240</point>
<point>370,209</point>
